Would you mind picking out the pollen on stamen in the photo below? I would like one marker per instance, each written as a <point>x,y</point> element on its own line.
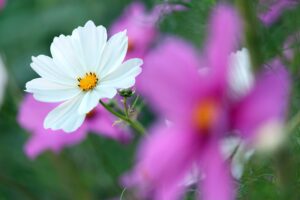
<point>88,82</point>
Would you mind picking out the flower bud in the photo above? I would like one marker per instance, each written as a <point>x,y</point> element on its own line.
<point>126,93</point>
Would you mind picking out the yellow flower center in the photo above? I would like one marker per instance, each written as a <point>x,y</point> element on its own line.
<point>88,82</point>
<point>205,115</point>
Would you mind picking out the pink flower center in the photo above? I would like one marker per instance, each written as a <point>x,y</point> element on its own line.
<point>205,114</point>
<point>130,45</point>
<point>91,114</point>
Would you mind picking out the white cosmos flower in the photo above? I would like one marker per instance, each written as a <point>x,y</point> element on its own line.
<point>3,80</point>
<point>84,68</point>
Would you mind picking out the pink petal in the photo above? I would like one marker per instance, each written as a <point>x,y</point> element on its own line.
<point>34,147</point>
<point>2,4</point>
<point>44,140</point>
<point>170,78</point>
<point>217,182</point>
<point>31,116</point>
<point>267,101</point>
<point>140,26</point>
<point>55,141</point>
<point>164,158</point>
<point>221,42</point>
<point>289,45</point>
<point>275,9</point>
<point>167,8</point>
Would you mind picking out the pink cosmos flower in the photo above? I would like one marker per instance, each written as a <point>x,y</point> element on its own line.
<point>141,29</point>
<point>32,113</point>
<point>202,113</point>
<point>275,8</point>
<point>141,26</point>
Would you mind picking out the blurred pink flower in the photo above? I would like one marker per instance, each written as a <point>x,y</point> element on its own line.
<point>202,113</point>
<point>141,26</point>
<point>32,113</point>
<point>2,3</point>
<point>141,29</point>
<point>290,45</point>
<point>274,9</point>
<point>167,8</point>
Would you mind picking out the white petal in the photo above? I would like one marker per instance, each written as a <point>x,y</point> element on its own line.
<point>46,68</point>
<point>65,57</point>
<point>229,145</point>
<point>89,101</point>
<point>3,80</point>
<point>65,116</point>
<point>240,158</point>
<point>235,148</point>
<point>240,78</point>
<point>114,53</point>
<point>48,91</point>
<point>72,123</point>
<point>91,98</point>
<point>89,42</point>
<point>124,76</point>
<point>106,92</point>
<point>193,176</point>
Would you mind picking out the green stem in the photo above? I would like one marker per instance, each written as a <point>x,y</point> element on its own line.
<point>137,126</point>
<point>112,111</point>
<point>293,123</point>
<point>134,124</point>
<point>125,107</point>
<point>285,166</point>
<point>136,106</point>
<point>247,10</point>
<point>135,101</point>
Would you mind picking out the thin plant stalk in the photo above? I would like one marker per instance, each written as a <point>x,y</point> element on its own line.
<point>134,124</point>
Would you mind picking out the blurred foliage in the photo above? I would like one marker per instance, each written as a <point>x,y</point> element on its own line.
<point>90,170</point>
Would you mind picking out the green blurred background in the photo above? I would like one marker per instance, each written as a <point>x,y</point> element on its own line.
<point>91,170</point>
